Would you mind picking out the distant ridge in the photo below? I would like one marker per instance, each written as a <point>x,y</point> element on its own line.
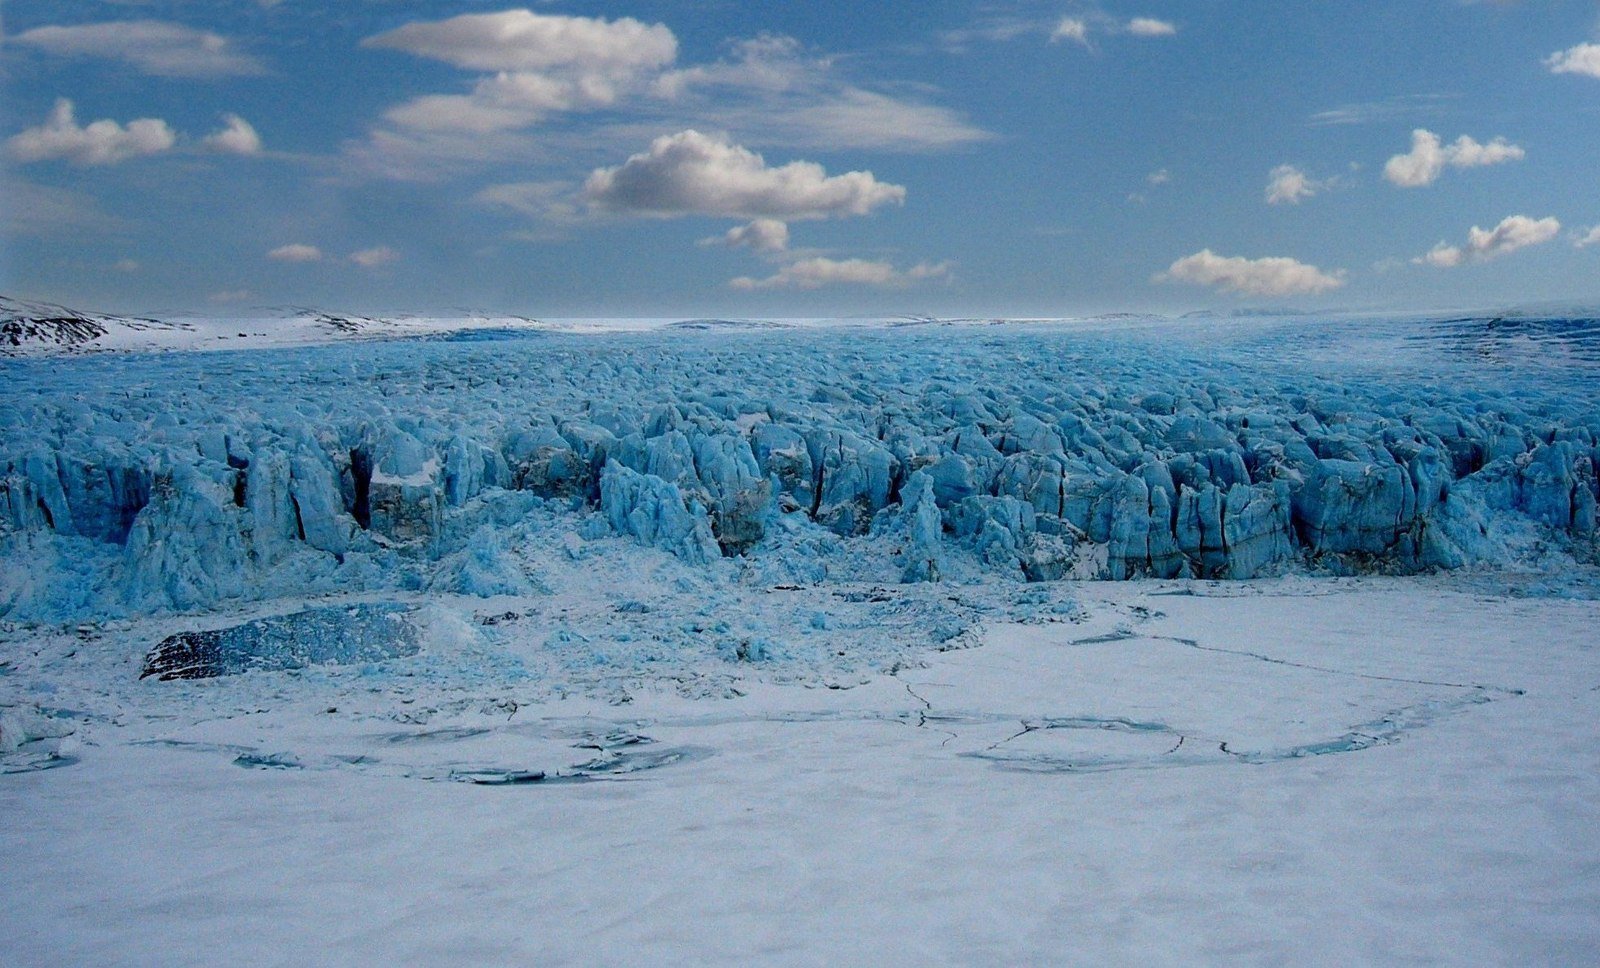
<point>27,326</point>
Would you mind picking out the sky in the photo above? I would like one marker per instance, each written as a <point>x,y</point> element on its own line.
<point>759,158</point>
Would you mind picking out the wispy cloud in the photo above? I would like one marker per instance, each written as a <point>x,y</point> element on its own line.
<point>152,46</point>
<point>295,252</point>
<point>1405,107</point>
<point>613,80</point>
<point>1288,185</point>
<point>1151,27</point>
<point>374,257</point>
<point>820,271</point>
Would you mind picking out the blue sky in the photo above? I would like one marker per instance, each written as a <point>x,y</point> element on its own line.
<point>761,158</point>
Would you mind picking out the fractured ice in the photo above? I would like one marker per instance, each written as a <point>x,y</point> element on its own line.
<point>180,482</point>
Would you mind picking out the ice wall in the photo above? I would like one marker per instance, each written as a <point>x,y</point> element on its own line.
<point>183,481</point>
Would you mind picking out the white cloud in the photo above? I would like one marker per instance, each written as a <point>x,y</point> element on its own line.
<point>852,117</point>
<point>543,64</point>
<point>547,200</point>
<point>1426,160</point>
<point>1071,28</point>
<point>1150,27</point>
<point>98,143</point>
<point>1274,276</point>
<point>771,91</point>
<point>819,271</point>
<point>1583,59</point>
<point>690,173</point>
<point>510,100</point>
<point>1514,232</point>
<point>761,235</point>
<point>520,40</point>
<point>1399,108</point>
<point>296,252</point>
<point>768,89</point>
<point>1442,256</point>
<point>374,257</point>
<point>1160,177</point>
<point>153,46</point>
<point>1078,29</point>
<point>1288,185</point>
<point>236,137</point>
<point>1587,238</point>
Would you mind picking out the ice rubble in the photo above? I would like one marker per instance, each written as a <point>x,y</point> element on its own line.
<point>180,482</point>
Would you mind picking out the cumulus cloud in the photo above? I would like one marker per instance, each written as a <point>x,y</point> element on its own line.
<point>761,235</point>
<point>542,63</point>
<point>1428,157</point>
<point>1587,238</point>
<point>236,137</point>
<point>690,173</point>
<point>819,271</point>
<point>1514,232</point>
<point>1151,27</point>
<point>153,46</point>
<point>1583,59</point>
<point>98,143</point>
<point>1288,185</point>
<point>296,252</point>
<point>374,257</point>
<point>1273,276</point>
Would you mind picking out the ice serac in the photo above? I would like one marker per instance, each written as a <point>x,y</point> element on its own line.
<point>654,511</point>
<point>854,476</point>
<point>188,482</point>
<point>922,525</point>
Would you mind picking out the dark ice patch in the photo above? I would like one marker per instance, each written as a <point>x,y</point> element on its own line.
<point>343,636</point>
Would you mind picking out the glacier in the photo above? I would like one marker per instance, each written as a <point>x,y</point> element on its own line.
<point>145,483</point>
<point>484,630</point>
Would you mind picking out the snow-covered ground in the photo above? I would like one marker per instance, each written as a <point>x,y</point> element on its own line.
<point>1336,771</point>
<point>745,644</point>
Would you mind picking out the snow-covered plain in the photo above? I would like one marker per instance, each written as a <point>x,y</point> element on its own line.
<point>788,644</point>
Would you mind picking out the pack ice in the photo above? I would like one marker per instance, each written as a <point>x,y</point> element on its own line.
<point>179,482</point>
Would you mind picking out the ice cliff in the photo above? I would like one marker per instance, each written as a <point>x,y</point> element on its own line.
<point>179,482</point>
